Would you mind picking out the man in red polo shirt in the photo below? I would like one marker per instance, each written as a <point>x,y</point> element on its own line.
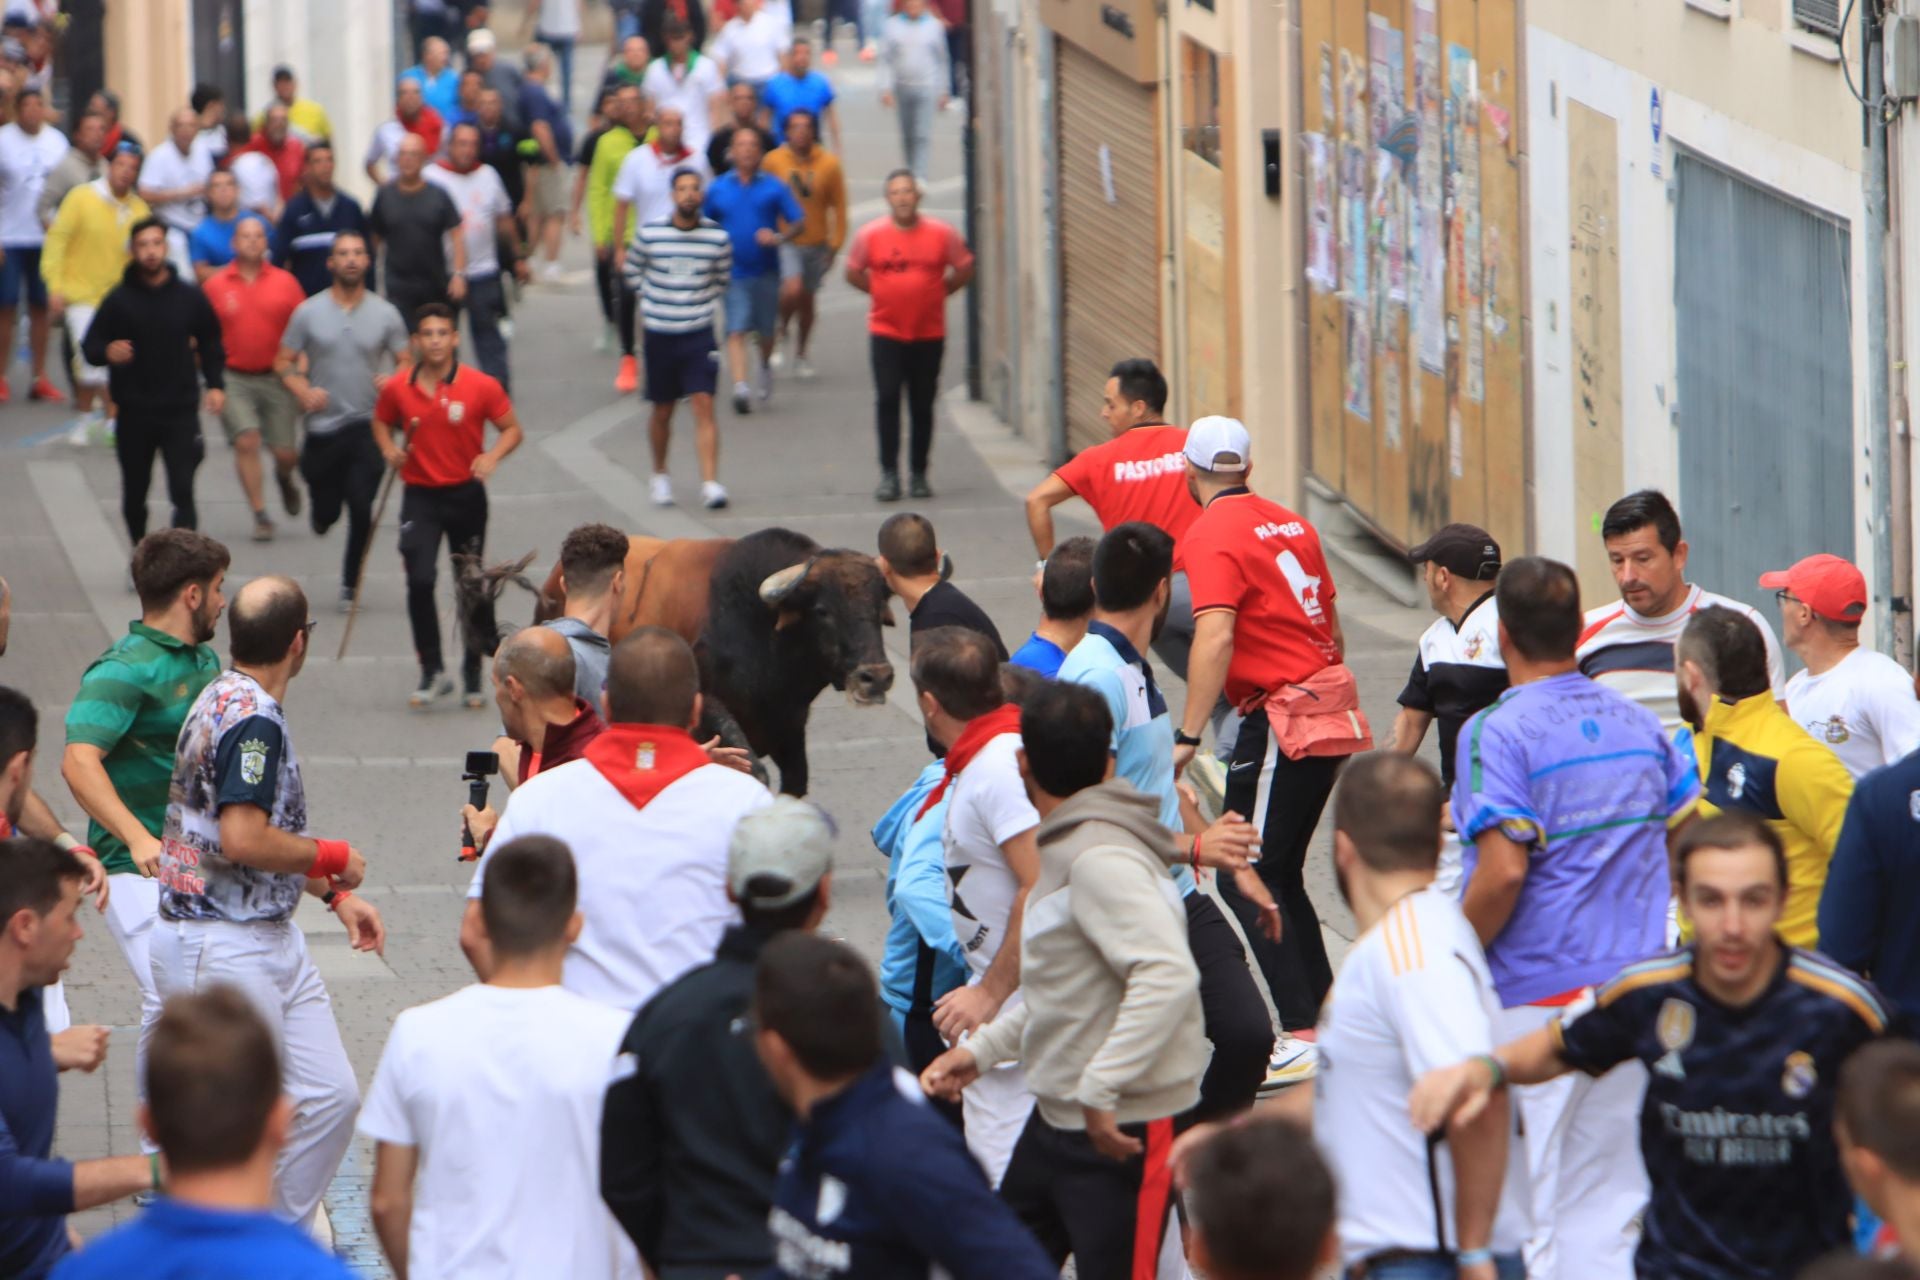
<point>1264,618</point>
<point>441,411</point>
<point>910,265</point>
<point>1140,474</point>
<point>276,142</point>
<point>254,300</point>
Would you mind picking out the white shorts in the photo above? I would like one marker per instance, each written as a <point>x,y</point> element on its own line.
<point>1589,1181</point>
<point>995,1108</point>
<point>1447,876</point>
<point>79,320</point>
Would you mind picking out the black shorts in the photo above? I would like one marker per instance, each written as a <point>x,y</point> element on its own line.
<point>680,365</point>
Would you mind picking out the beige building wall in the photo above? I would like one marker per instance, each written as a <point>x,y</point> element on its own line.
<point>149,62</point>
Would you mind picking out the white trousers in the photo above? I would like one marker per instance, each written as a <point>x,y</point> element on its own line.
<point>1589,1181</point>
<point>995,1108</point>
<point>133,904</point>
<point>269,964</point>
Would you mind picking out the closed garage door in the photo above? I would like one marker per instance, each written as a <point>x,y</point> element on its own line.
<point>1109,231</point>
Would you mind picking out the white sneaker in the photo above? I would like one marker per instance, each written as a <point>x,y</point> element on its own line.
<point>778,360</point>
<point>803,369</point>
<point>713,495</point>
<point>551,272</point>
<point>661,488</point>
<point>766,385</point>
<point>603,344</point>
<point>1294,1060</point>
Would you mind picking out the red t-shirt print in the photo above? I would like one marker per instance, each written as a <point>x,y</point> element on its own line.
<point>453,421</point>
<point>907,275</point>
<point>1140,474</point>
<point>1261,560</point>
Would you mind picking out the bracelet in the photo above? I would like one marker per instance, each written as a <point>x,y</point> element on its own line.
<point>329,859</point>
<point>334,897</point>
<point>1498,1072</point>
<point>153,1167</point>
<point>1472,1257</point>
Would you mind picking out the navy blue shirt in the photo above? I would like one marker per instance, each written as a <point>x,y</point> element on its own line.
<point>175,1241</point>
<point>36,1192</point>
<point>1870,908</point>
<point>1737,1124</point>
<point>305,237</point>
<point>879,1187</point>
<point>745,209</point>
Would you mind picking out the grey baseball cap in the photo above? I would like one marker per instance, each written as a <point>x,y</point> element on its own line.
<point>779,854</point>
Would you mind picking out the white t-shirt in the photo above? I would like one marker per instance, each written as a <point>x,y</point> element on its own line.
<point>751,47</point>
<point>500,1089</point>
<point>166,169</point>
<point>481,198</point>
<point>653,881</point>
<point>987,808</point>
<point>1863,707</point>
<point>691,91</point>
<point>645,181</point>
<point>25,160</point>
<point>1414,995</point>
<point>1634,654</point>
<point>258,180</point>
<point>559,18</point>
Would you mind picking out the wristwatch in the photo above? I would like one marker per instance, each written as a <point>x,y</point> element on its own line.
<point>1182,739</point>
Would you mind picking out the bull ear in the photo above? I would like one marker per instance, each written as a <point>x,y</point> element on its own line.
<point>786,618</point>
<point>781,584</point>
<point>946,566</point>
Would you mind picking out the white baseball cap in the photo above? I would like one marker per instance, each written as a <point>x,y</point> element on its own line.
<point>779,853</point>
<point>480,40</point>
<point>1215,443</point>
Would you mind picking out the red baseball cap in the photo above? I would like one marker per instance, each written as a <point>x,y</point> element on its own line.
<point>1826,584</point>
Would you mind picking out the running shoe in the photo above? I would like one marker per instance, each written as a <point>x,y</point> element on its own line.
<point>475,700</point>
<point>868,52</point>
<point>888,490</point>
<point>918,487</point>
<point>766,384</point>
<point>713,495</point>
<point>43,389</point>
<point>803,369</point>
<point>346,599</point>
<point>778,360</point>
<point>627,381</point>
<point>828,58</point>
<point>262,527</point>
<point>742,398</point>
<point>660,488</point>
<point>1209,777</point>
<point>434,685</point>
<point>289,491</point>
<point>1293,1061</point>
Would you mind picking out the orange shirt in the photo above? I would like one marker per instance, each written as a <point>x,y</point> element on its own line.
<point>253,315</point>
<point>907,275</point>
<point>452,422</point>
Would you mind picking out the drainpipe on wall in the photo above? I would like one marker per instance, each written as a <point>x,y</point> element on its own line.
<point>1899,431</point>
<point>1880,449</point>
<point>1044,50</point>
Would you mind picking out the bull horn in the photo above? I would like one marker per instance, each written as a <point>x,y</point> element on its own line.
<point>779,585</point>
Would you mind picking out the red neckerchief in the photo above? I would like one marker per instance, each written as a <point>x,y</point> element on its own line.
<point>979,732</point>
<point>642,760</point>
<point>6,827</point>
<point>676,157</point>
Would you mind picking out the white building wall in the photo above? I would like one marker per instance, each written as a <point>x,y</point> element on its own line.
<point>1559,71</point>
<point>342,51</point>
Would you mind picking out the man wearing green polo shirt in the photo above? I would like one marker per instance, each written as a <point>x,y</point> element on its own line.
<point>628,115</point>
<point>124,722</point>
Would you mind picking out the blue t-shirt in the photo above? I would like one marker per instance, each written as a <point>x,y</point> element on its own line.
<point>36,1191</point>
<point>537,104</point>
<point>175,1241</point>
<point>441,92</point>
<point>212,241</point>
<point>787,93</point>
<point>1586,780</point>
<point>1039,654</point>
<point>745,209</point>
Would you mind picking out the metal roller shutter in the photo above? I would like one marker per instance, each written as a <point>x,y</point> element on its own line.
<point>1109,249</point>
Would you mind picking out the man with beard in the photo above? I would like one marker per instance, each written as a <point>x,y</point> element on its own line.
<point>125,719</point>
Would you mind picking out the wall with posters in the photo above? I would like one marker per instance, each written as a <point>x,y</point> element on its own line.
<point>1413,160</point>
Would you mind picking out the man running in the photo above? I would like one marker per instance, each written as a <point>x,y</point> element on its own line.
<point>84,258</point>
<point>684,77</point>
<point>173,180</point>
<point>351,340</point>
<point>313,217</point>
<point>800,88</point>
<point>233,864</point>
<point>1743,1038</point>
<point>1629,646</point>
<point>255,300</point>
<point>1140,474</point>
<point>30,149</point>
<point>910,265</point>
<point>487,227</point>
<point>150,334</point>
<point>210,244</point>
<point>760,215</point>
<point>818,183</point>
<point>681,268</point>
<point>430,426</point>
<point>643,195</point>
<point>410,219</point>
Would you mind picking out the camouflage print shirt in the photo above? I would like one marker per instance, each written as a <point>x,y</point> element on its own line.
<point>234,749</point>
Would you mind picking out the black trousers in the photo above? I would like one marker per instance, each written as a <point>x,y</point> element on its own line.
<point>959,60</point>
<point>343,470</point>
<point>913,367</point>
<point>1111,1215</point>
<point>408,295</point>
<point>458,514</point>
<point>1236,1016</point>
<point>1297,971</point>
<point>175,437</point>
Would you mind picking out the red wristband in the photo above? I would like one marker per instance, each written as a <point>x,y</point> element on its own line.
<point>337,896</point>
<point>329,859</point>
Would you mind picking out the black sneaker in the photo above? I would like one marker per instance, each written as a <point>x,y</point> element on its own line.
<point>289,492</point>
<point>918,487</point>
<point>888,490</point>
<point>434,685</point>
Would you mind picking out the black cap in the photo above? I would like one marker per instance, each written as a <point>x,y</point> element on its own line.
<point>283,72</point>
<point>1464,550</point>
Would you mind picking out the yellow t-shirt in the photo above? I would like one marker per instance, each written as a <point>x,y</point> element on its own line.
<point>820,186</point>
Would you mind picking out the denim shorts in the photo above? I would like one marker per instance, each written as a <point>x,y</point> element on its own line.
<point>22,270</point>
<point>753,304</point>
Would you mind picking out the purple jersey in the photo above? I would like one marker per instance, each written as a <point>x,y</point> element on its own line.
<point>1588,780</point>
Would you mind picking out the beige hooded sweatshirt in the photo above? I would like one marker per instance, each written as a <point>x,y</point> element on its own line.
<point>1110,1014</point>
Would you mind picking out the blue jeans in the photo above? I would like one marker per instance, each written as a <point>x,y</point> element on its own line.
<point>1507,1266</point>
<point>917,107</point>
<point>753,304</point>
<point>562,47</point>
<point>486,306</point>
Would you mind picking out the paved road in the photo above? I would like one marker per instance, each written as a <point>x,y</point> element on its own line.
<point>389,778</point>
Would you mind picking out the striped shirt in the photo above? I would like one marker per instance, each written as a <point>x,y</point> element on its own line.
<point>1634,654</point>
<point>131,704</point>
<point>680,274</point>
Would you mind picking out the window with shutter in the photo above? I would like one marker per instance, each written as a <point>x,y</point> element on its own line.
<point>1822,16</point>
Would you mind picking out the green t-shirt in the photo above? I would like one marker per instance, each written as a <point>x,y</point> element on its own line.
<point>608,153</point>
<point>131,704</point>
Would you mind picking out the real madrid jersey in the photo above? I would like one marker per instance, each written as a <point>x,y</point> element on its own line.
<point>1737,1125</point>
<point>1863,707</point>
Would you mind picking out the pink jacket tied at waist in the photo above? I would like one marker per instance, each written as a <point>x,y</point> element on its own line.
<point>1319,716</point>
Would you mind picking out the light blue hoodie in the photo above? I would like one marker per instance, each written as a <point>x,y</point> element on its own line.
<point>917,896</point>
